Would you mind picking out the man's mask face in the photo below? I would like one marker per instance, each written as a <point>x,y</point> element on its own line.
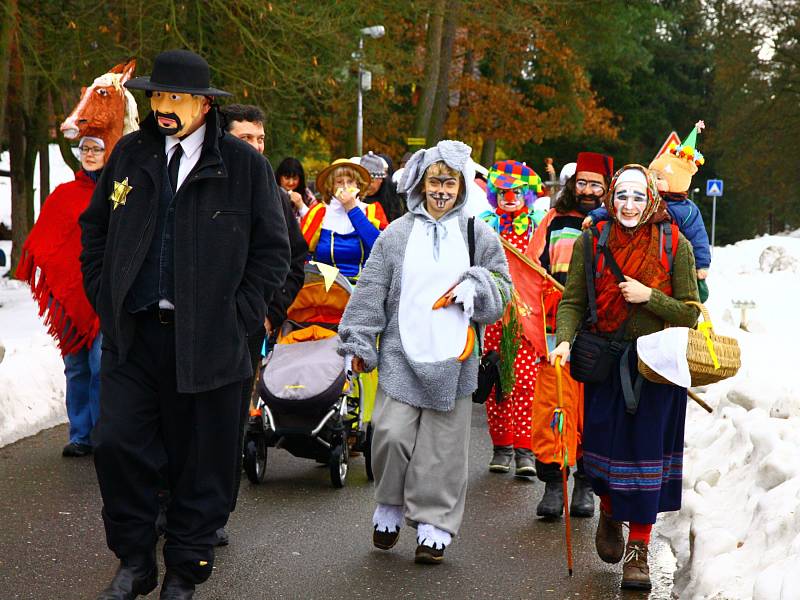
<point>177,112</point>
<point>441,193</point>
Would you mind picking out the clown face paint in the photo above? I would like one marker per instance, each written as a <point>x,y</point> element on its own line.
<point>630,201</point>
<point>511,201</point>
<point>441,193</point>
<point>177,113</point>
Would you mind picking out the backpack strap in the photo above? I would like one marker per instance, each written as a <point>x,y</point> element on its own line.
<point>668,242</point>
<point>589,269</point>
<point>471,240</point>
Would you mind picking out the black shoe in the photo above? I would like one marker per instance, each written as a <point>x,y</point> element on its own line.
<point>582,503</point>
<point>425,555</point>
<point>176,587</point>
<point>525,463</point>
<point>74,450</point>
<point>552,503</point>
<point>501,459</point>
<point>385,540</point>
<point>222,537</point>
<point>137,576</point>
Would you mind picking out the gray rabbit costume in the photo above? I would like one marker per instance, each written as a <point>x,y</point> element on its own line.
<point>422,413</point>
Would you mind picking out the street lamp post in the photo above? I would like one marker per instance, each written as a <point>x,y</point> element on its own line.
<point>375,32</point>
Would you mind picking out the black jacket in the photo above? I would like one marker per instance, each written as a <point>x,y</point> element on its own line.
<point>231,250</point>
<point>285,295</point>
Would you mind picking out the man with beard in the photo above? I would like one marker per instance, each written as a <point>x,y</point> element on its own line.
<point>551,247</point>
<point>183,241</point>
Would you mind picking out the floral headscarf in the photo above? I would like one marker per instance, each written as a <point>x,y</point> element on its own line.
<point>654,212</point>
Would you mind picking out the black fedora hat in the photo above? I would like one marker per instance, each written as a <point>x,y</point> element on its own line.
<point>178,71</point>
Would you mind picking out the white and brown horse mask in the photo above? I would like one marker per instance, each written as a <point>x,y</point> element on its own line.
<point>106,109</point>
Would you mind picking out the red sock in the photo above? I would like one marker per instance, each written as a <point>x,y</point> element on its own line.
<point>605,504</point>
<point>640,532</point>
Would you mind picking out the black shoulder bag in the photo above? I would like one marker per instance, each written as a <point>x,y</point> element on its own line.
<point>489,366</point>
<point>593,354</point>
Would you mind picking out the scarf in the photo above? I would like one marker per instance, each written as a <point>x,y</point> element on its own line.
<point>336,219</point>
<point>50,263</point>
<point>636,250</point>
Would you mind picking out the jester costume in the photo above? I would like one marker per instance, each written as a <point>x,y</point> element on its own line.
<point>512,189</point>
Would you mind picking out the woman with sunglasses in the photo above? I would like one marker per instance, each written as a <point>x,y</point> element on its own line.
<point>633,428</point>
<point>50,264</point>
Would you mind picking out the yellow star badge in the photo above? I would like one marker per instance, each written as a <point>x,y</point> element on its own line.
<point>120,192</point>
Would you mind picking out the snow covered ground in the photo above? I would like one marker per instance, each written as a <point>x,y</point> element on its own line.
<point>738,534</point>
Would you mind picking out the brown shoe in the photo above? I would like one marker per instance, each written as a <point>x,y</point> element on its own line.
<point>385,540</point>
<point>608,540</point>
<point>635,570</point>
<point>425,555</point>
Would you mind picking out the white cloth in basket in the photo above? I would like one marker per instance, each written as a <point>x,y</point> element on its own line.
<point>665,352</point>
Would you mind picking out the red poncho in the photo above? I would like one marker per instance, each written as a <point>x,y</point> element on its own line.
<point>50,263</point>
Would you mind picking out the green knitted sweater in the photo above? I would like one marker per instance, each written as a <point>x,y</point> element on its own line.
<point>650,316</point>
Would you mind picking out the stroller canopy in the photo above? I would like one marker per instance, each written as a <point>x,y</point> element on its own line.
<point>316,303</point>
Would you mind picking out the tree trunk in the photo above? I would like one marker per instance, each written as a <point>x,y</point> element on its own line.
<point>8,27</point>
<point>20,226</point>
<point>439,113</point>
<point>44,172</point>
<point>433,48</point>
<point>488,151</point>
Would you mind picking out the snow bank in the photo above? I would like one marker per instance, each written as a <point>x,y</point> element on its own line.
<point>31,372</point>
<point>738,533</point>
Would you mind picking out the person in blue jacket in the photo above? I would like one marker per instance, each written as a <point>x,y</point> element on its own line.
<point>674,170</point>
<point>342,229</point>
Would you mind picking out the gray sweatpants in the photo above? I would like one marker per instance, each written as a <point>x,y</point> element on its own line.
<point>419,457</point>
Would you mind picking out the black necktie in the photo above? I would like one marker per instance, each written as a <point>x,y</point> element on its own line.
<point>174,165</point>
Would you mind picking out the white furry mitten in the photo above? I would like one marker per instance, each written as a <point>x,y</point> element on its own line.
<point>464,293</point>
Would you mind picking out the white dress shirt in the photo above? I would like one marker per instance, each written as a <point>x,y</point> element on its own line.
<point>191,144</point>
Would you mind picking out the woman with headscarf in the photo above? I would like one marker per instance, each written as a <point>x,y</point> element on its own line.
<point>50,264</point>
<point>341,230</point>
<point>642,274</point>
<point>382,189</point>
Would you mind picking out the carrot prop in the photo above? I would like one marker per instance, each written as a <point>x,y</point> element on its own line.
<point>559,415</point>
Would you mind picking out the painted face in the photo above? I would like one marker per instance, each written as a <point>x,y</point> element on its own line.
<point>630,201</point>
<point>441,193</point>
<point>289,182</point>
<point>92,156</point>
<point>177,113</point>
<point>250,132</point>
<point>511,200</point>
<point>589,190</point>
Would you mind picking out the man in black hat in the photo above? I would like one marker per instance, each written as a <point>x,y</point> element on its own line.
<point>184,240</point>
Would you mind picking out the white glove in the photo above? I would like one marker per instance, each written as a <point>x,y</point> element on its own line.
<point>464,294</point>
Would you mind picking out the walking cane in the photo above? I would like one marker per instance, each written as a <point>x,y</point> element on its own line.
<point>564,462</point>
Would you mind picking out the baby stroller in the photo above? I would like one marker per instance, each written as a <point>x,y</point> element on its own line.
<point>307,403</point>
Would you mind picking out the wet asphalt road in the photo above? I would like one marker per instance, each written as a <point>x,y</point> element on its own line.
<point>296,537</point>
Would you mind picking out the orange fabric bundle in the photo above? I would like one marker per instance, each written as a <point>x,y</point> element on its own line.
<point>545,441</point>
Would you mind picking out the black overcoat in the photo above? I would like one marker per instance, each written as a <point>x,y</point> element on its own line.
<point>231,249</point>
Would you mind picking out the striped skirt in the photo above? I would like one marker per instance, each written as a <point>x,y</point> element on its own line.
<point>636,459</point>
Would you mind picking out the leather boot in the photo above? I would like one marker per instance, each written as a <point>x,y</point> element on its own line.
<point>582,502</point>
<point>136,576</point>
<point>552,503</point>
<point>608,540</point>
<point>525,463</point>
<point>176,587</point>
<point>501,459</point>
<point>635,570</point>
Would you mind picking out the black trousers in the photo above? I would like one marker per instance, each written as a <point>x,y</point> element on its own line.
<point>146,424</point>
<point>254,344</point>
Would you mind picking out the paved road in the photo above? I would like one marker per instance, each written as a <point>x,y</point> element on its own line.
<point>297,537</point>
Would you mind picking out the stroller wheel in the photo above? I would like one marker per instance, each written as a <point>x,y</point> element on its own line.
<point>255,458</point>
<point>368,452</point>
<point>338,465</point>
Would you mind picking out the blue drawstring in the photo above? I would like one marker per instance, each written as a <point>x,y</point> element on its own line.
<point>436,227</point>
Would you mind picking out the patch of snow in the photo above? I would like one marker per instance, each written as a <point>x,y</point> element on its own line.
<point>738,533</point>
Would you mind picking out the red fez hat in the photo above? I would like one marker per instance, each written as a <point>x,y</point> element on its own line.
<point>595,163</point>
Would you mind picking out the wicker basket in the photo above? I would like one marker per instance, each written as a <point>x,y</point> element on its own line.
<point>701,363</point>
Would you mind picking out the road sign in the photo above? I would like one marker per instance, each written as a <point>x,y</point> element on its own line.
<point>416,141</point>
<point>714,188</point>
<point>671,139</point>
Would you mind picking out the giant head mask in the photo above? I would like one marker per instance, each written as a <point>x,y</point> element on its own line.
<point>178,113</point>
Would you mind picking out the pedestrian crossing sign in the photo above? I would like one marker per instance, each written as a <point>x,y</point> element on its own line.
<point>714,188</point>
